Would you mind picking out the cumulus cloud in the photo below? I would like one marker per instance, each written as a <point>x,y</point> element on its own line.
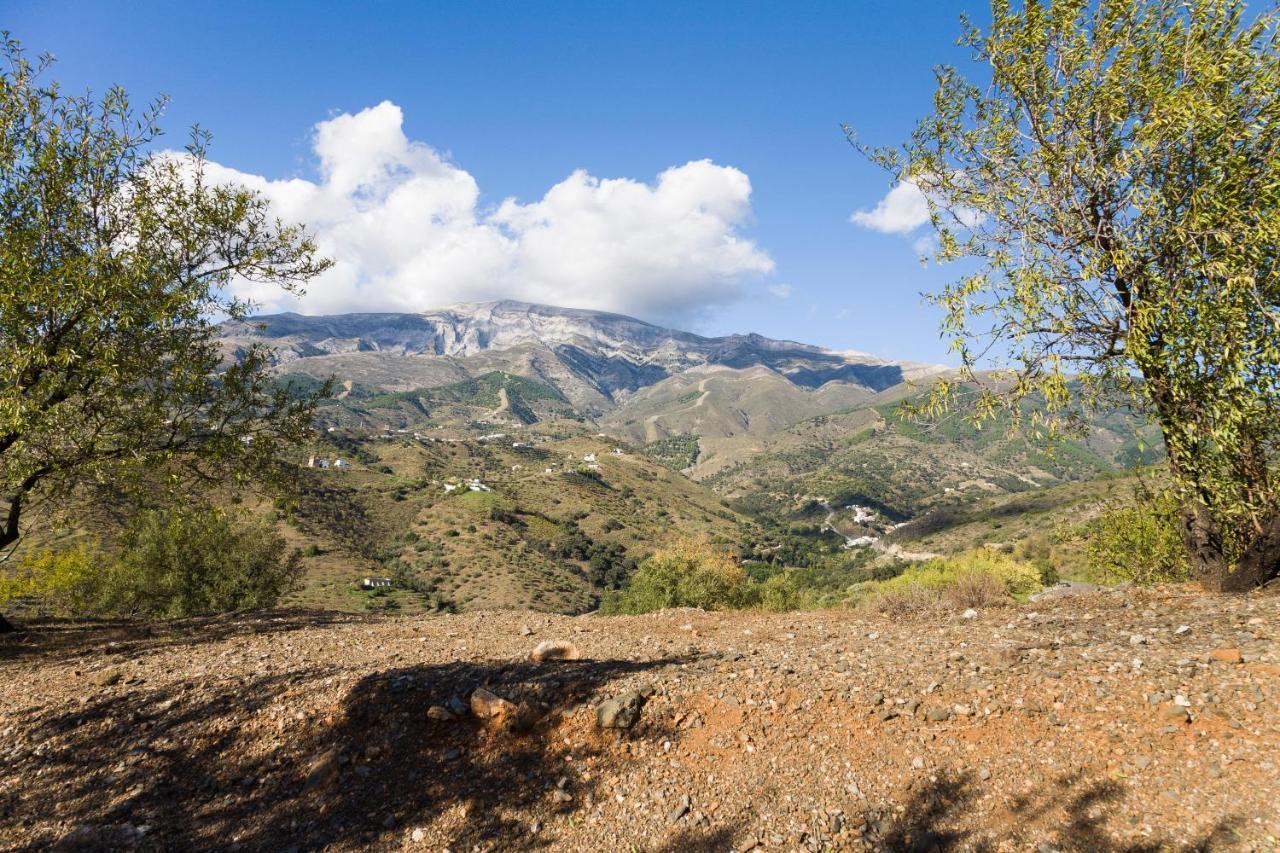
<point>408,231</point>
<point>902,211</point>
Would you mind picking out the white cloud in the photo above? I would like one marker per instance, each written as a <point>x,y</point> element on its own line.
<point>782,291</point>
<point>902,211</point>
<point>925,246</point>
<point>407,231</point>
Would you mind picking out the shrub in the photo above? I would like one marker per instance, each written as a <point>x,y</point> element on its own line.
<point>184,562</point>
<point>1140,543</point>
<point>975,589</point>
<point>59,583</point>
<point>981,577</point>
<point>904,600</point>
<point>783,591</point>
<point>687,574</point>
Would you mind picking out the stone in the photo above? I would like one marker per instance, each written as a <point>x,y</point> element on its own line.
<point>441,714</point>
<point>492,708</point>
<point>321,769</point>
<point>549,650</point>
<point>620,712</point>
<point>937,714</point>
<point>107,678</point>
<point>1226,655</point>
<point>681,809</point>
<point>456,706</point>
<point>418,835</point>
<point>1176,714</point>
<point>969,614</point>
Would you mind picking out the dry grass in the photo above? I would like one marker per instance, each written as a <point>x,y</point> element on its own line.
<point>975,589</point>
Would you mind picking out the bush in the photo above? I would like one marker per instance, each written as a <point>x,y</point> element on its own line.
<point>975,589</point>
<point>1141,543</point>
<point>687,574</point>
<point>182,562</point>
<point>904,600</point>
<point>978,578</point>
<point>56,583</point>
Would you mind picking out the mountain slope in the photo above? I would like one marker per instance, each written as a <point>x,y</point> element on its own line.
<point>594,359</point>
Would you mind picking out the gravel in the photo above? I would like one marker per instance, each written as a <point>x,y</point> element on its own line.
<point>799,731</point>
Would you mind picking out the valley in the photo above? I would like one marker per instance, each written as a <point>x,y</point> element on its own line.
<point>596,437</point>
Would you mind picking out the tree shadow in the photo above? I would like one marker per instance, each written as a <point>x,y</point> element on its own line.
<point>191,767</point>
<point>56,638</point>
<point>1075,811</point>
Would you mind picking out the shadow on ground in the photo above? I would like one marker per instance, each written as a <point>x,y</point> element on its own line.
<point>55,638</point>
<point>1079,814</point>
<point>200,766</point>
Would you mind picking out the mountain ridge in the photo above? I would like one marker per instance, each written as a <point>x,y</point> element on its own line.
<point>611,354</point>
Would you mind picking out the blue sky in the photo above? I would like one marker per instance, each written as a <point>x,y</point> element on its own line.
<point>484,102</point>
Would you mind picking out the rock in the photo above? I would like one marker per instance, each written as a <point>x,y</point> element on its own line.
<point>747,846</point>
<point>620,712</point>
<point>441,714</point>
<point>937,714</point>
<point>418,835</point>
<point>525,631</point>
<point>1142,762</point>
<point>492,707</point>
<point>1182,629</point>
<point>107,677</point>
<point>456,706</point>
<point>969,614</point>
<point>984,774</point>
<point>681,809</point>
<point>321,769</point>
<point>549,650</point>
<point>1176,714</point>
<point>1226,655</point>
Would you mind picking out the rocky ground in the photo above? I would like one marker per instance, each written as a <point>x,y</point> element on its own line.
<point>1129,720</point>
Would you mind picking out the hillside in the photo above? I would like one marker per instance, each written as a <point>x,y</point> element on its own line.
<point>874,455</point>
<point>550,524</point>
<point>1127,720</point>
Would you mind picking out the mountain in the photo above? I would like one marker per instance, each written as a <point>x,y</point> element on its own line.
<point>594,360</point>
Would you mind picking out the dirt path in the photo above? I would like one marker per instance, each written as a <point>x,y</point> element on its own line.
<point>651,422</point>
<point>1125,720</point>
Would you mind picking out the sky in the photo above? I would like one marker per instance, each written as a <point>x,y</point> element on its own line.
<point>679,162</point>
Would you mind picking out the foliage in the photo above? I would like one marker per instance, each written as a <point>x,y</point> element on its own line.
<point>1114,185</point>
<point>192,562</point>
<point>979,576</point>
<point>686,574</point>
<point>171,563</point>
<point>1140,543</point>
<point>58,583</point>
<point>676,452</point>
<point>113,262</point>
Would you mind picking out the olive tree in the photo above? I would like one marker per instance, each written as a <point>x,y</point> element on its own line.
<point>1109,184</point>
<point>116,261</point>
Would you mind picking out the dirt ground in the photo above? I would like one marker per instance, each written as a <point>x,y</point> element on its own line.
<point>1124,720</point>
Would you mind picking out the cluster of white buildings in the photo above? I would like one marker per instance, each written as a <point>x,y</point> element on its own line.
<point>472,485</point>
<point>320,462</point>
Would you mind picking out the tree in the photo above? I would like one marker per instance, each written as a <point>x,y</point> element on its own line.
<point>1112,190</point>
<point>115,262</point>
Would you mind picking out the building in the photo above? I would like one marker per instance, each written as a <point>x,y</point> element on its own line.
<point>375,583</point>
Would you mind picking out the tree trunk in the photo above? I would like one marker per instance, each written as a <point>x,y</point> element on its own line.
<point>1259,563</point>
